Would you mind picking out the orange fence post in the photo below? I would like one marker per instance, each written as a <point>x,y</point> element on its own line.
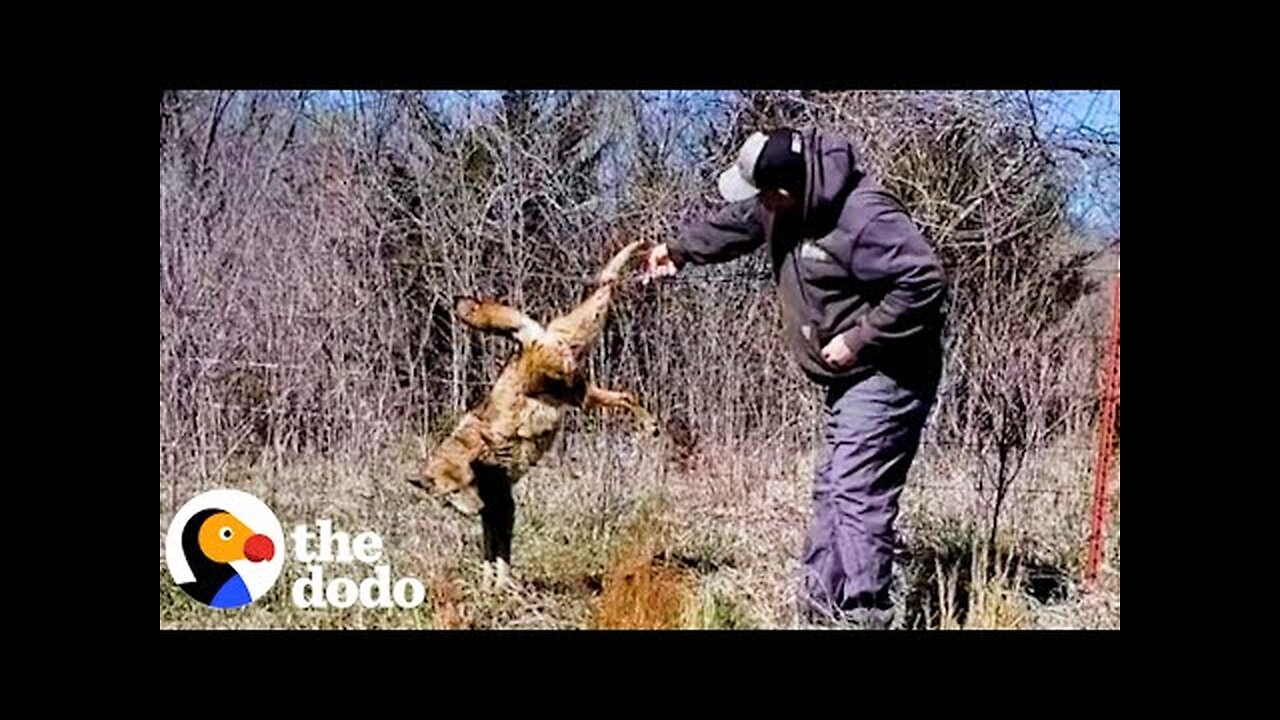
<point>1106,437</point>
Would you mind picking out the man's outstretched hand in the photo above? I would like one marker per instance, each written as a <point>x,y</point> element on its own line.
<point>659,264</point>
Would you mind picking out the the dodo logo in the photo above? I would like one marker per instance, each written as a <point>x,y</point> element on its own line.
<point>225,548</point>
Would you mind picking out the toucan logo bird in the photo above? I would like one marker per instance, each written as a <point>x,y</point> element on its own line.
<point>221,549</point>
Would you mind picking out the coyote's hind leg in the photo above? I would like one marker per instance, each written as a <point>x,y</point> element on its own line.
<point>492,316</point>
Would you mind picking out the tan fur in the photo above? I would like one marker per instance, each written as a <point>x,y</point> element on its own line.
<point>497,443</point>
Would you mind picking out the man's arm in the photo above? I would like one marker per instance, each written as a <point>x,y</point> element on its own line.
<point>735,230</point>
<point>891,249</point>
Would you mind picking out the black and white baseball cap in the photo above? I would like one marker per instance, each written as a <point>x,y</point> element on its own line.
<point>766,161</point>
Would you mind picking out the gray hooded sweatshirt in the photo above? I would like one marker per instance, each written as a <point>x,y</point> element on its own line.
<point>849,262</point>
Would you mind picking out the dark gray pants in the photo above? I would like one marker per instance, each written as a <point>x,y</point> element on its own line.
<point>873,429</point>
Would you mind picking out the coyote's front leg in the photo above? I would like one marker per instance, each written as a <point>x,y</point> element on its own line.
<point>598,397</point>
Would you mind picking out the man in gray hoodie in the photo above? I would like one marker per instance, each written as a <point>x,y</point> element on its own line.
<point>861,294</point>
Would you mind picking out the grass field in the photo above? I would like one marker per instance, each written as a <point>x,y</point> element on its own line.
<point>609,535</point>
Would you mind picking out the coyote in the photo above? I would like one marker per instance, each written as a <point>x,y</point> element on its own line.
<point>496,443</point>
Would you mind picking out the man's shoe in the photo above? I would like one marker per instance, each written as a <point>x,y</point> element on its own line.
<point>864,618</point>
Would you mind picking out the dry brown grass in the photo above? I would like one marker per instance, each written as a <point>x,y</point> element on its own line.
<point>639,590</point>
<point>995,599</point>
<point>605,538</point>
<point>448,610</point>
<point>640,594</point>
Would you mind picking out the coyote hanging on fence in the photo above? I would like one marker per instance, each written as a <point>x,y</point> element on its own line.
<point>498,442</point>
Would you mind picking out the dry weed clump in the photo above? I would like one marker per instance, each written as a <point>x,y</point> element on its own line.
<point>639,591</point>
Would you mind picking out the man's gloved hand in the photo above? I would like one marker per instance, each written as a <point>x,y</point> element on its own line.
<point>837,354</point>
<point>659,264</point>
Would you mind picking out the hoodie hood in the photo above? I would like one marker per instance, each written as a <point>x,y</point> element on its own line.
<point>831,173</point>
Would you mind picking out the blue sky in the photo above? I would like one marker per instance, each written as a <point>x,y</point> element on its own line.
<point>1098,204</point>
<point>1099,109</point>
